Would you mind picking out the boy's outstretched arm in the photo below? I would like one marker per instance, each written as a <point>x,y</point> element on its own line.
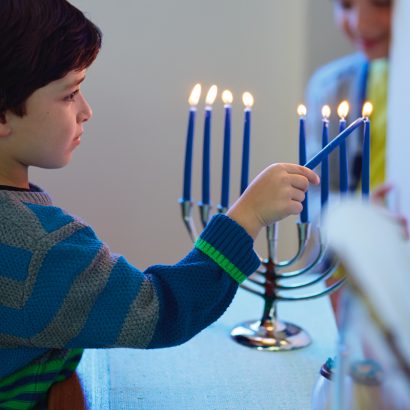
<point>274,194</point>
<point>71,291</point>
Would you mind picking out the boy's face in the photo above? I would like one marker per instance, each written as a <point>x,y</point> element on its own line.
<point>367,23</point>
<point>52,127</point>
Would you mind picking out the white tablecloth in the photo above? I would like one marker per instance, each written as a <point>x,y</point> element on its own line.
<point>212,371</point>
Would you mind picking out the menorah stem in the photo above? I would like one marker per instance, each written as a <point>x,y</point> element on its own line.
<point>272,238</point>
<point>270,333</point>
<point>269,309</point>
<point>269,312</point>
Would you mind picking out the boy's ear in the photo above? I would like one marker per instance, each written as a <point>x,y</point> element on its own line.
<point>4,126</point>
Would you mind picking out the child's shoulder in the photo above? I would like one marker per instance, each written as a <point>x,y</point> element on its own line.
<point>32,215</point>
<point>344,68</point>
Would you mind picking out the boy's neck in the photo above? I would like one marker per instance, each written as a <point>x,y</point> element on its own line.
<point>17,181</point>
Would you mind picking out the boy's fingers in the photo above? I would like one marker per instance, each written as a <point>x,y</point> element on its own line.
<point>295,208</point>
<point>298,195</point>
<point>299,182</point>
<point>312,177</point>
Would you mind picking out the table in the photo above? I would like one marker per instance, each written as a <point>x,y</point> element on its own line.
<point>211,371</point>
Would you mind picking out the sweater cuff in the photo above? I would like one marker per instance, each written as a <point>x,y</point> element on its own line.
<point>229,246</point>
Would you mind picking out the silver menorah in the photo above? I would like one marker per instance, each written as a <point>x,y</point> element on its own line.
<point>271,283</point>
<point>281,280</point>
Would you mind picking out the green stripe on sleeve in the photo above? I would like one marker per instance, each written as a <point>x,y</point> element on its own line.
<point>220,260</point>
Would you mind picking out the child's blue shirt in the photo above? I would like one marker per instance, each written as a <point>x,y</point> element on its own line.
<point>61,289</point>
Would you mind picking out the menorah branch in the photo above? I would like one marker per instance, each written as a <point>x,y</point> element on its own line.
<point>324,292</point>
<point>317,278</point>
<point>186,211</point>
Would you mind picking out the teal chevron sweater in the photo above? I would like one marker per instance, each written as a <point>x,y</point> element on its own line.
<point>61,290</point>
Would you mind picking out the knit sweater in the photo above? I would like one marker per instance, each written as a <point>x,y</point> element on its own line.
<point>61,288</point>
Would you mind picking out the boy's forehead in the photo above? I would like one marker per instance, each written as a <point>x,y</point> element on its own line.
<point>72,79</point>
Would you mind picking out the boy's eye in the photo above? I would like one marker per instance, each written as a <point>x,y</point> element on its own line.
<point>349,4</point>
<point>345,4</point>
<point>383,3</point>
<point>71,96</point>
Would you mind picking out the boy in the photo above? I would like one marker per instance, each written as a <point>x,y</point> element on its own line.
<point>356,78</point>
<point>61,289</point>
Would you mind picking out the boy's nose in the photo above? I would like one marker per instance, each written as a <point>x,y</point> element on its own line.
<point>363,19</point>
<point>85,112</point>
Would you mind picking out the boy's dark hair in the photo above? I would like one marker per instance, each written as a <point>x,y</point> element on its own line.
<point>40,42</point>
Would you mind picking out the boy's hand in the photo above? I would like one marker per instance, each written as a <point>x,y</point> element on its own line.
<point>274,194</point>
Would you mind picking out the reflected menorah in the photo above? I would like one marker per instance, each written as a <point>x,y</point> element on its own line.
<point>281,280</point>
<point>271,283</point>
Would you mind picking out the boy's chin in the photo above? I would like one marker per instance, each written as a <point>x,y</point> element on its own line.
<point>376,54</point>
<point>54,164</point>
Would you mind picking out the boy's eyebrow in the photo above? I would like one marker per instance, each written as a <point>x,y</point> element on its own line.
<point>74,83</point>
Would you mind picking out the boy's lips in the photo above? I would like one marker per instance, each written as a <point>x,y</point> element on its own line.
<point>77,139</point>
<point>368,43</point>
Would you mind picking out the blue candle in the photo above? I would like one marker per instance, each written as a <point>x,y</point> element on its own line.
<point>304,215</point>
<point>193,101</point>
<point>367,110</point>
<point>317,159</point>
<point>248,101</point>
<point>343,111</point>
<point>226,162</point>
<point>206,153</point>
<point>324,177</point>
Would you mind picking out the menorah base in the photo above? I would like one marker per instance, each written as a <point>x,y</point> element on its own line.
<point>272,336</point>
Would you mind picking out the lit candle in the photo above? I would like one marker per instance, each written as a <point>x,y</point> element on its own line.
<point>206,153</point>
<point>304,215</point>
<point>343,111</point>
<point>324,177</point>
<point>367,110</point>
<point>193,102</point>
<point>227,98</point>
<point>324,152</point>
<point>248,102</point>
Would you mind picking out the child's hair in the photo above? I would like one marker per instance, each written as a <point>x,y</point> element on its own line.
<point>40,42</point>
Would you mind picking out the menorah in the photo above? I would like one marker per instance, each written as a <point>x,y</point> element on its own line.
<point>279,280</point>
<point>269,283</point>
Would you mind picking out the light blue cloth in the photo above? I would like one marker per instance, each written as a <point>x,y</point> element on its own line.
<point>212,371</point>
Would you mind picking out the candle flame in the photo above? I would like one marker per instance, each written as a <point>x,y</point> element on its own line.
<point>227,97</point>
<point>367,109</point>
<point>195,95</point>
<point>343,110</point>
<point>247,99</point>
<point>211,95</point>
<point>302,111</point>
<point>326,111</point>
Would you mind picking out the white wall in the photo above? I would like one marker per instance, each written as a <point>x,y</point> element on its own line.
<point>399,91</point>
<point>324,41</point>
<point>126,177</point>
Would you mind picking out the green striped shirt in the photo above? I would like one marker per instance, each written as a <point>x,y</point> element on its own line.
<point>23,389</point>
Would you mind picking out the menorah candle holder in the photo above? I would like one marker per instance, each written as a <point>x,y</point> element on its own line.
<point>280,280</point>
<point>269,282</point>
